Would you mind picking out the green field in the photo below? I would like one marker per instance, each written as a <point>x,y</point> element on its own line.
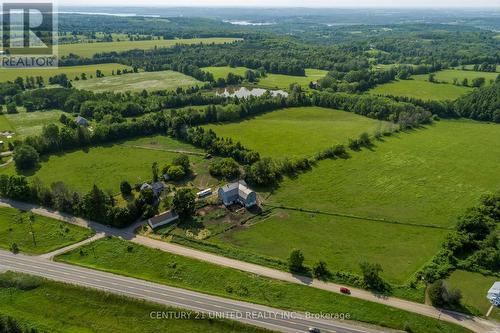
<point>420,89</point>
<point>49,234</point>
<point>165,80</point>
<point>271,81</point>
<point>474,287</point>
<point>62,308</point>
<point>28,123</point>
<point>71,71</point>
<point>342,242</point>
<point>449,74</point>
<point>87,50</point>
<point>426,177</point>
<point>114,255</point>
<point>294,132</point>
<point>106,166</point>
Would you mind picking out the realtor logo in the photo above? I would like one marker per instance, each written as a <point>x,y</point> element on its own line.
<point>29,34</point>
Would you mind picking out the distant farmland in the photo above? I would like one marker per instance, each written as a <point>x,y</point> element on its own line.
<point>87,50</point>
<point>295,132</point>
<point>165,80</point>
<point>70,71</point>
<point>449,74</point>
<point>271,81</point>
<point>421,89</point>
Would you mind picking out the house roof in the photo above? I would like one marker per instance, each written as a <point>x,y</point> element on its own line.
<point>158,186</point>
<point>159,219</point>
<point>239,189</point>
<point>495,289</point>
<point>146,186</point>
<point>81,121</point>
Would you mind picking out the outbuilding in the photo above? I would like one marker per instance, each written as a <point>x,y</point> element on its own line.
<point>163,219</point>
<point>80,121</point>
<point>494,294</point>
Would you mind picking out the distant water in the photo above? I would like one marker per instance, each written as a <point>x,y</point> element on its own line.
<point>107,14</point>
<point>244,92</point>
<point>248,23</point>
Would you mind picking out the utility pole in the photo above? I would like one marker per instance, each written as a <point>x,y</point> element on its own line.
<point>31,219</point>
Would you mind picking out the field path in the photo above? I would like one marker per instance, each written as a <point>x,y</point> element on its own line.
<point>475,324</point>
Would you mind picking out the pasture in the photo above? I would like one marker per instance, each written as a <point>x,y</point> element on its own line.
<point>420,89</point>
<point>53,307</point>
<point>164,80</point>
<point>297,132</point>
<point>70,71</point>
<point>271,81</point>
<point>28,123</point>
<point>428,176</point>
<point>474,287</point>
<point>87,50</point>
<point>48,234</point>
<point>108,165</point>
<point>342,242</point>
<point>449,74</point>
<point>122,257</point>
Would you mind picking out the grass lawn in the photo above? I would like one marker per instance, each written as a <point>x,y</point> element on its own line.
<point>87,50</point>
<point>293,132</point>
<point>50,234</point>
<point>474,288</point>
<point>71,71</point>
<point>108,165</point>
<point>342,242</point>
<point>420,89</point>
<point>271,81</point>
<point>449,74</point>
<point>165,80</point>
<point>112,255</point>
<point>428,176</point>
<point>62,308</point>
<point>28,123</point>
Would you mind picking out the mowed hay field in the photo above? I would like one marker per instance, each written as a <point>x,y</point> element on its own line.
<point>294,132</point>
<point>425,177</point>
<point>341,242</point>
<point>449,74</point>
<point>474,288</point>
<point>164,80</point>
<point>106,166</point>
<point>421,89</point>
<point>271,81</point>
<point>70,71</point>
<point>28,123</point>
<point>49,234</point>
<point>87,50</point>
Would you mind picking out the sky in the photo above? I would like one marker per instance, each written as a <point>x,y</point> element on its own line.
<point>288,3</point>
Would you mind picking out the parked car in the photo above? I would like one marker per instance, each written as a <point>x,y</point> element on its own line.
<point>345,291</point>
<point>314,330</point>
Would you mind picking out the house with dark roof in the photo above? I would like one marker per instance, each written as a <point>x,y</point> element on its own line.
<point>163,219</point>
<point>238,192</point>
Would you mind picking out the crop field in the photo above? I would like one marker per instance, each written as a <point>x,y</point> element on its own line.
<point>474,287</point>
<point>165,80</point>
<point>121,257</point>
<point>449,74</point>
<point>70,71</point>
<point>294,132</point>
<point>425,177</point>
<point>342,242</point>
<point>106,166</point>
<point>48,234</point>
<point>87,50</point>
<point>54,307</point>
<point>271,81</point>
<point>28,123</point>
<point>420,89</point>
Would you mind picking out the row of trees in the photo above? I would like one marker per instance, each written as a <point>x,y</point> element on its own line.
<point>473,245</point>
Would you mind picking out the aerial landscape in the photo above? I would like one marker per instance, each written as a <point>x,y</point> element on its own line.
<point>250,167</point>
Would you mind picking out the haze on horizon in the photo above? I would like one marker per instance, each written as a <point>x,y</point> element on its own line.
<point>289,3</point>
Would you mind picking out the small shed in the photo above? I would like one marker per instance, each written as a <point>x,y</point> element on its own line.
<point>163,219</point>
<point>80,121</point>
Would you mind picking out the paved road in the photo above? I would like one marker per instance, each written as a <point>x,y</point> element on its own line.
<point>475,324</point>
<point>274,319</point>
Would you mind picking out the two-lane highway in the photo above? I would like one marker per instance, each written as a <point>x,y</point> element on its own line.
<point>258,315</point>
